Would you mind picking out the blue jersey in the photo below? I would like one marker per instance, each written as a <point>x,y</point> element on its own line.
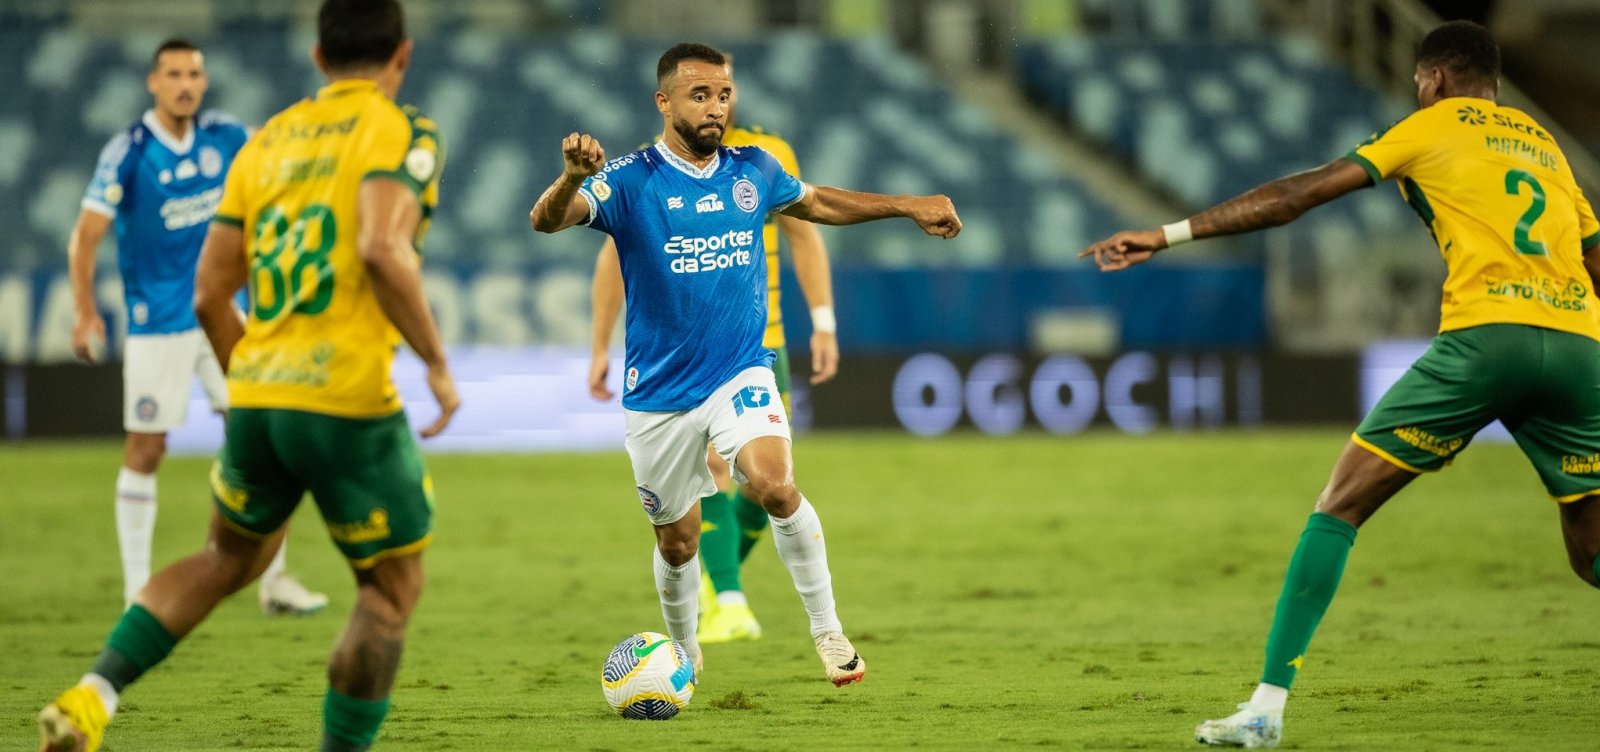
<point>161,192</point>
<point>694,266</point>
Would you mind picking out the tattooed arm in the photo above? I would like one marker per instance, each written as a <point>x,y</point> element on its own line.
<point>1276,203</point>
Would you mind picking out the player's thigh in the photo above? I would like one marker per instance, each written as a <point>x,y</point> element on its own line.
<point>212,380</point>
<point>743,412</point>
<point>156,372</point>
<point>368,480</point>
<point>782,377</point>
<point>252,487</point>
<point>1559,430</point>
<point>668,453</point>
<point>1455,389</point>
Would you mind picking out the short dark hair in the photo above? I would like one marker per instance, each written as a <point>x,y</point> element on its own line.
<point>359,33</point>
<point>176,43</point>
<point>670,59</point>
<point>1463,47</point>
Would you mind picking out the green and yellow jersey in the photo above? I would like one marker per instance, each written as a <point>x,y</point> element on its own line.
<point>1500,200</point>
<point>784,153</point>
<point>315,339</point>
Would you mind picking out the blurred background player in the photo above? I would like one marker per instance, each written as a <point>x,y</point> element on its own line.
<point>696,370</point>
<point>731,521</point>
<point>160,180</point>
<point>334,192</point>
<point>1519,340</point>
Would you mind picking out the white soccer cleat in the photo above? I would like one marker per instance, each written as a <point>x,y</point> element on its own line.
<point>1248,728</point>
<point>839,658</point>
<point>285,595</point>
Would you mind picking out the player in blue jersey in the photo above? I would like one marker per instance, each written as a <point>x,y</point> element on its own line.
<point>687,216</point>
<point>159,181</point>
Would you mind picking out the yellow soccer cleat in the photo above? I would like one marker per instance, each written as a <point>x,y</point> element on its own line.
<point>730,623</point>
<point>75,722</point>
<point>708,597</point>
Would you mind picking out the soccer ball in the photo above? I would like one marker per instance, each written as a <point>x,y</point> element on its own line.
<point>648,677</point>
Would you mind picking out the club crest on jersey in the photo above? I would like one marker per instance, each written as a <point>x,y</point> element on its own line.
<point>650,501</point>
<point>210,161</point>
<point>708,203</point>
<point>633,379</point>
<point>745,195</point>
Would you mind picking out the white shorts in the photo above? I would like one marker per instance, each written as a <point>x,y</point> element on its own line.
<point>669,449</point>
<point>156,372</point>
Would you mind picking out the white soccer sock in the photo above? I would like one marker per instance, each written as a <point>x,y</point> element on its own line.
<point>731,598</point>
<point>136,527</point>
<point>800,546</point>
<point>102,687</point>
<point>1269,697</point>
<point>275,569</point>
<point>679,588</point>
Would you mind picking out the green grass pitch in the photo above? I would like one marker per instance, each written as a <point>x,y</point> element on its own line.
<point>1098,592</point>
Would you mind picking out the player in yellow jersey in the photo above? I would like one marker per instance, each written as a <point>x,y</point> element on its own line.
<point>1519,335</point>
<point>322,214</point>
<point>731,522</point>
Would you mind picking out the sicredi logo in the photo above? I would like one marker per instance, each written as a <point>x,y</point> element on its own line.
<point>693,255</point>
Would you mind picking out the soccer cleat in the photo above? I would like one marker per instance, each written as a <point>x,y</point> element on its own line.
<point>695,656</point>
<point>730,623</point>
<point>75,722</point>
<point>285,595</point>
<point>1248,728</point>
<point>839,658</point>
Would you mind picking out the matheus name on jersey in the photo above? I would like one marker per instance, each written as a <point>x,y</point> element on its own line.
<point>161,192</point>
<point>694,266</point>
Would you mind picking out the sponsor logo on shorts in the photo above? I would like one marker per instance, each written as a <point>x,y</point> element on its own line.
<point>633,379</point>
<point>1580,465</point>
<point>146,408</point>
<point>374,528</point>
<point>745,195</point>
<point>1429,443</point>
<point>751,397</point>
<point>648,498</point>
<point>228,495</point>
<point>773,418</point>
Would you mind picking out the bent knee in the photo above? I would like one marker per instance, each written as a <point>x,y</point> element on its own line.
<point>774,494</point>
<point>678,552</point>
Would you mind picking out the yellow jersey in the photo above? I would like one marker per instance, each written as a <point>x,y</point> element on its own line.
<point>1500,200</point>
<point>781,151</point>
<point>315,338</point>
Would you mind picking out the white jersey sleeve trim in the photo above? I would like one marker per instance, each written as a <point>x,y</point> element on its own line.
<point>594,205</point>
<point>99,207</point>
<point>805,189</point>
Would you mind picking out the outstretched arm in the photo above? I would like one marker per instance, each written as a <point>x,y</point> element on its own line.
<point>556,209</point>
<point>836,206</point>
<point>1276,203</point>
<point>816,283</point>
<point>606,297</point>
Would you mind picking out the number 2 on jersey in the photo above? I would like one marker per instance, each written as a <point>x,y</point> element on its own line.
<point>273,234</point>
<point>1515,179</point>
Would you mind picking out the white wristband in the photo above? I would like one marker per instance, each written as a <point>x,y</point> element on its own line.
<point>1177,232</point>
<point>822,320</point>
